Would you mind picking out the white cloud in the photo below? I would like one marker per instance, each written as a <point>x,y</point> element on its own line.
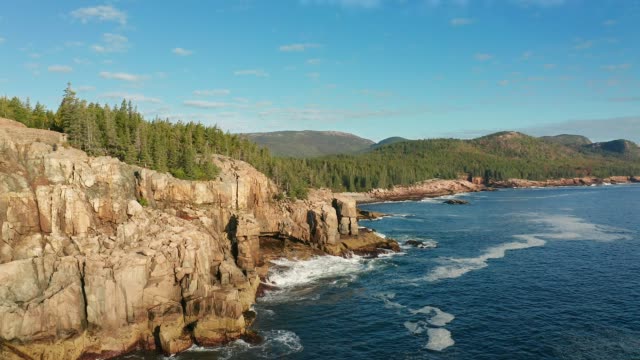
<point>617,67</point>
<point>527,55</point>
<point>60,68</point>
<point>313,75</point>
<point>610,22</point>
<point>138,98</point>
<point>298,47</point>
<point>212,92</point>
<point>2,40</point>
<point>252,72</point>
<point>314,61</point>
<point>100,13</point>
<point>483,57</point>
<point>461,21</point>
<point>112,43</point>
<point>121,76</point>
<point>503,82</point>
<point>205,104</point>
<point>365,4</point>
<point>181,52</point>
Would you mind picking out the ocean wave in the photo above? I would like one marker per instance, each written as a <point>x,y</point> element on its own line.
<point>291,273</point>
<point>440,199</point>
<point>276,344</point>
<point>456,267</point>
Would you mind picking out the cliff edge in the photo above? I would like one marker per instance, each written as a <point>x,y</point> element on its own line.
<point>98,257</point>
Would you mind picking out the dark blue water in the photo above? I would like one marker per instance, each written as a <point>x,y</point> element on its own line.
<point>517,274</point>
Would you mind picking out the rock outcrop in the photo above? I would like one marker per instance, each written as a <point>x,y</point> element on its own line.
<point>87,271</point>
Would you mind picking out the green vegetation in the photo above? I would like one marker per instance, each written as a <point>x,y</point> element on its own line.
<point>308,144</point>
<point>184,149</point>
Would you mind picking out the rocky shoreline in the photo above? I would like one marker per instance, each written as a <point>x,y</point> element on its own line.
<point>439,187</point>
<point>99,258</point>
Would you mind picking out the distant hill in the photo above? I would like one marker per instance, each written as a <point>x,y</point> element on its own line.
<point>308,143</point>
<point>621,147</point>
<point>567,140</point>
<point>388,141</point>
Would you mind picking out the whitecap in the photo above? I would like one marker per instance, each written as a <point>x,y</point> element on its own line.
<point>439,339</point>
<point>435,316</point>
<point>568,227</point>
<point>456,267</point>
<point>291,273</point>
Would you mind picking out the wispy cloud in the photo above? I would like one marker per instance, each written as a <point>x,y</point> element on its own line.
<point>539,3</point>
<point>625,99</point>
<point>212,92</point>
<point>364,4</point>
<point>483,57</point>
<point>616,67</point>
<point>60,69</point>
<point>298,47</point>
<point>550,66</point>
<point>203,104</point>
<point>610,22</point>
<point>375,93</point>
<point>181,52</point>
<point>314,61</point>
<point>2,40</point>
<point>527,55</point>
<point>122,76</point>
<point>504,82</point>
<point>111,43</point>
<point>99,13</point>
<point>251,72</point>
<point>461,21</point>
<point>138,98</point>
<point>583,44</point>
<point>81,61</point>
<point>313,75</point>
<point>84,88</point>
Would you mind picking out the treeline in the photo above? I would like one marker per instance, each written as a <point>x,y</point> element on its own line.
<point>184,150</point>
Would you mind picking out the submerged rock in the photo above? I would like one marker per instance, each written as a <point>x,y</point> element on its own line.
<point>422,244</point>
<point>456,202</point>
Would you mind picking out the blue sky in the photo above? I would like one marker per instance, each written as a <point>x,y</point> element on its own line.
<point>376,68</point>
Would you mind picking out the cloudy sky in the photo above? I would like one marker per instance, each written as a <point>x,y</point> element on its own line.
<point>377,68</point>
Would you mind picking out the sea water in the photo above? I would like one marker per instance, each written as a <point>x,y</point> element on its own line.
<point>516,274</point>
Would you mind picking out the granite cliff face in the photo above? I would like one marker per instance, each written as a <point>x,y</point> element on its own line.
<point>87,272</point>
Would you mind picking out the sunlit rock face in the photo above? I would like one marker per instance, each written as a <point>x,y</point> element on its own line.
<point>86,271</point>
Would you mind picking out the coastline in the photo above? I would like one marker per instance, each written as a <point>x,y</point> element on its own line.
<point>435,188</point>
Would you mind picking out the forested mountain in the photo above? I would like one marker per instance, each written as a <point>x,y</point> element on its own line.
<point>183,149</point>
<point>308,143</point>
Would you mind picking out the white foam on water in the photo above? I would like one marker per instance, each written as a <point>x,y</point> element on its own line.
<point>456,267</point>
<point>291,273</point>
<point>568,227</point>
<point>435,316</point>
<point>276,344</point>
<point>387,299</point>
<point>380,234</point>
<point>415,328</point>
<point>439,339</point>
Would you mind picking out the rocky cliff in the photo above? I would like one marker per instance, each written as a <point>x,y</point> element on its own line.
<point>98,257</point>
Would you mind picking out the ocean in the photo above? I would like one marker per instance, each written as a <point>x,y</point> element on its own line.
<point>550,273</point>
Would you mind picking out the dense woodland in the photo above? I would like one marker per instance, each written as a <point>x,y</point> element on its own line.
<point>183,149</point>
